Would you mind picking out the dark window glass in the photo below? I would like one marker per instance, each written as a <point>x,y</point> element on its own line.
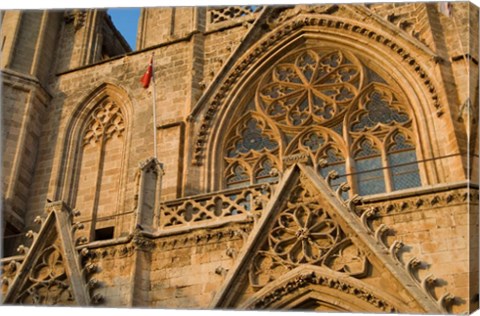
<point>402,161</point>
<point>370,176</point>
<point>404,170</point>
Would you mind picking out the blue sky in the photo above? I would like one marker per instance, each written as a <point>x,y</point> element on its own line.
<point>126,21</point>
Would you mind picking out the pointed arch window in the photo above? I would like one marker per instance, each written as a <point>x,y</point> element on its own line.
<point>251,153</point>
<point>327,105</point>
<point>101,156</point>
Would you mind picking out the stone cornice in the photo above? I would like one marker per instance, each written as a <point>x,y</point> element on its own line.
<point>459,196</point>
<point>147,242</point>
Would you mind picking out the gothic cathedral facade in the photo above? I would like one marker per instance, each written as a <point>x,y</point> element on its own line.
<point>315,157</point>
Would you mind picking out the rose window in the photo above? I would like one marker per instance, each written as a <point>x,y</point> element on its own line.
<point>313,87</point>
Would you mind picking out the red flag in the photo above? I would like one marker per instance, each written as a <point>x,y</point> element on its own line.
<point>147,76</point>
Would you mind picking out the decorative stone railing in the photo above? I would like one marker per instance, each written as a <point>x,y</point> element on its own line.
<point>224,16</point>
<point>197,210</point>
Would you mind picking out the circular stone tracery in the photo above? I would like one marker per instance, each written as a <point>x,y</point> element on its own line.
<point>310,86</point>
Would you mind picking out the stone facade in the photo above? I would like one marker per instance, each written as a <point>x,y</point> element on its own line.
<point>313,157</point>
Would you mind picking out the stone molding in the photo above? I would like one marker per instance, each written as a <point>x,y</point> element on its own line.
<point>422,202</point>
<point>304,280</point>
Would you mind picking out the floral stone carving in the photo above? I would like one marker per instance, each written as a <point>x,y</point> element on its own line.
<point>305,233</point>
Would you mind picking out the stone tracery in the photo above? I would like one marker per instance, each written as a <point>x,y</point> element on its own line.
<point>305,233</point>
<point>48,281</point>
<point>326,104</point>
<point>307,87</point>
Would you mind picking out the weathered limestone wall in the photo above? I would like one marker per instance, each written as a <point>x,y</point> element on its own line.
<point>188,269</point>
<point>441,230</point>
<point>219,45</point>
<point>114,273</point>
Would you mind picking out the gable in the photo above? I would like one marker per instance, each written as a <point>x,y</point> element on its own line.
<point>51,273</point>
<point>307,231</point>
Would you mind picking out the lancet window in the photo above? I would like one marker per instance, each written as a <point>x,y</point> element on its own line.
<point>325,104</point>
<point>100,168</point>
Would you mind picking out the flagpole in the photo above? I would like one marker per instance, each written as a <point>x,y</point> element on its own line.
<point>154,97</point>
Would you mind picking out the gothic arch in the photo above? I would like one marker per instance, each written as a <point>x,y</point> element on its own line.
<point>324,290</point>
<point>103,116</point>
<point>389,67</point>
<point>398,58</point>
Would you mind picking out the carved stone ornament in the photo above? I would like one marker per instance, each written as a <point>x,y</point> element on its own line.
<point>285,29</point>
<point>51,272</point>
<point>309,227</point>
<point>105,121</point>
<point>77,17</point>
<point>214,207</point>
<point>48,283</point>
<point>281,15</point>
<point>442,199</point>
<point>7,273</point>
<point>222,14</point>
<point>305,233</point>
<point>142,243</point>
<point>341,285</point>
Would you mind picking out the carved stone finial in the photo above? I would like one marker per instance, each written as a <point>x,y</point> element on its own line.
<point>343,187</point>
<point>85,252</point>
<point>31,234</point>
<point>93,284</point>
<point>380,232</point>
<point>91,268</point>
<point>97,299</point>
<point>428,283</point>
<point>395,250</point>
<point>355,200</point>
<point>367,215</point>
<point>38,220</point>
<point>221,271</point>
<point>332,175</point>
<point>446,301</point>
<point>412,265</point>
<point>81,240</point>
<point>231,252</point>
<point>77,226</point>
<point>22,249</point>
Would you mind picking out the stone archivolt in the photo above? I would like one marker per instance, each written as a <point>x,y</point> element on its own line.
<point>313,279</point>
